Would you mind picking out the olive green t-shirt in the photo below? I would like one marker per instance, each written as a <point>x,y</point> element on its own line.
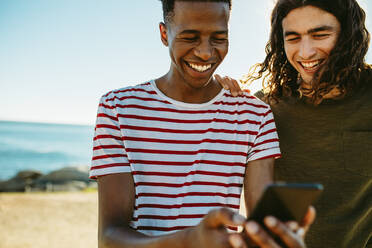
<point>331,144</point>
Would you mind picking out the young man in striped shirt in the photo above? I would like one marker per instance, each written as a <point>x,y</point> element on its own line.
<point>171,155</point>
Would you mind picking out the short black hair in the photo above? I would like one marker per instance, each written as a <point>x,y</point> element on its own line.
<point>168,7</point>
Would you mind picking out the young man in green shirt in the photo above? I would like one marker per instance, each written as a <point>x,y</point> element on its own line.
<point>320,91</point>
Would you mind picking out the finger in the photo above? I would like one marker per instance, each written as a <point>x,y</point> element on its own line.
<point>221,81</point>
<point>237,86</point>
<point>233,86</point>
<point>223,217</point>
<point>228,84</point>
<point>301,232</point>
<point>259,236</point>
<point>236,241</point>
<point>285,234</point>
<point>292,225</point>
<point>308,219</point>
<point>247,240</point>
<point>227,81</point>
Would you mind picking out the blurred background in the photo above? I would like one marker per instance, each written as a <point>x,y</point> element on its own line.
<point>56,59</point>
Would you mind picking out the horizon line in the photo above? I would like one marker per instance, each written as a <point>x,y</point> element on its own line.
<point>46,122</point>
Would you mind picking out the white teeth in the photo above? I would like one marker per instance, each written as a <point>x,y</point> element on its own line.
<point>310,64</point>
<point>200,68</point>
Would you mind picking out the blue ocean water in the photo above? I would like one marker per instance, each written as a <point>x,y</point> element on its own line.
<point>43,147</point>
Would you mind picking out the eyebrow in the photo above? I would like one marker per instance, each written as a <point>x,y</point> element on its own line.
<point>221,32</point>
<point>311,31</point>
<point>189,32</point>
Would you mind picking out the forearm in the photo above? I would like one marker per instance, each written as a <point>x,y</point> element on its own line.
<point>258,174</point>
<point>120,237</point>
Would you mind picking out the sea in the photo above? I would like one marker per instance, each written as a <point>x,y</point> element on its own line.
<point>43,147</point>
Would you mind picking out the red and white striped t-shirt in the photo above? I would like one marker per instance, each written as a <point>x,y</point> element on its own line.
<point>186,159</point>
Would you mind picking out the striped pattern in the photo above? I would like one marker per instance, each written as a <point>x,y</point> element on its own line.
<point>186,159</point>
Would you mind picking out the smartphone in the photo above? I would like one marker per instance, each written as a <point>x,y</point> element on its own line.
<point>286,201</point>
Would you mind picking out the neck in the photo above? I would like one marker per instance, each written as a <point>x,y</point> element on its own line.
<point>307,91</point>
<point>182,91</point>
<point>333,93</point>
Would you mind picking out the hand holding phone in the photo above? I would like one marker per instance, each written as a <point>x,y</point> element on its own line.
<point>286,201</point>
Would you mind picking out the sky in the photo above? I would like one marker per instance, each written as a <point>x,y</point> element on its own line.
<point>57,58</point>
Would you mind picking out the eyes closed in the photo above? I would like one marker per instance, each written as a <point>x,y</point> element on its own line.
<point>317,33</point>
<point>316,36</point>
<point>218,38</point>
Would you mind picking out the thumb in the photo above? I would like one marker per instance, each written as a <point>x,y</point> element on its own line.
<point>223,217</point>
<point>308,219</point>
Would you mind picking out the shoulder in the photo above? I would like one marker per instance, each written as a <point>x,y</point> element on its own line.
<point>247,101</point>
<point>366,77</point>
<point>257,99</point>
<point>139,89</point>
<point>365,86</point>
<point>260,95</point>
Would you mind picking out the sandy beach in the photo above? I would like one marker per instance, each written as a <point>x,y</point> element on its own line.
<point>42,220</point>
<point>45,220</point>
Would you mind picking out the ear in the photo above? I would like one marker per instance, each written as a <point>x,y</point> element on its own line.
<point>163,33</point>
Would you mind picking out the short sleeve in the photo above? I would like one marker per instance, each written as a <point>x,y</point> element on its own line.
<point>109,156</point>
<point>266,144</point>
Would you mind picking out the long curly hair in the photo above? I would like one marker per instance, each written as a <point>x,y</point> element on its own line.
<point>343,67</point>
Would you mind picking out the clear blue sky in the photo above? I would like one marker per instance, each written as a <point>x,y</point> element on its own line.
<point>58,57</point>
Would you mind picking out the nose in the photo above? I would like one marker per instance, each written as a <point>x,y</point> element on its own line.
<point>204,50</point>
<point>307,49</point>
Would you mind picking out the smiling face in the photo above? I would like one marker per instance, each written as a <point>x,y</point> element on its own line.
<point>309,34</point>
<point>197,37</point>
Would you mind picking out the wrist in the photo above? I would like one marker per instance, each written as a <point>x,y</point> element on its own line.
<point>180,239</point>
<point>190,238</point>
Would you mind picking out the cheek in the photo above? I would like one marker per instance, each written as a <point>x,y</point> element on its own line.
<point>326,46</point>
<point>289,50</point>
<point>329,47</point>
<point>175,51</point>
<point>222,50</point>
<point>223,54</point>
<point>181,50</point>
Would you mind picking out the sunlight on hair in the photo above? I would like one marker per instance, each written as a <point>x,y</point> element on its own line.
<point>256,85</point>
<point>364,5</point>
